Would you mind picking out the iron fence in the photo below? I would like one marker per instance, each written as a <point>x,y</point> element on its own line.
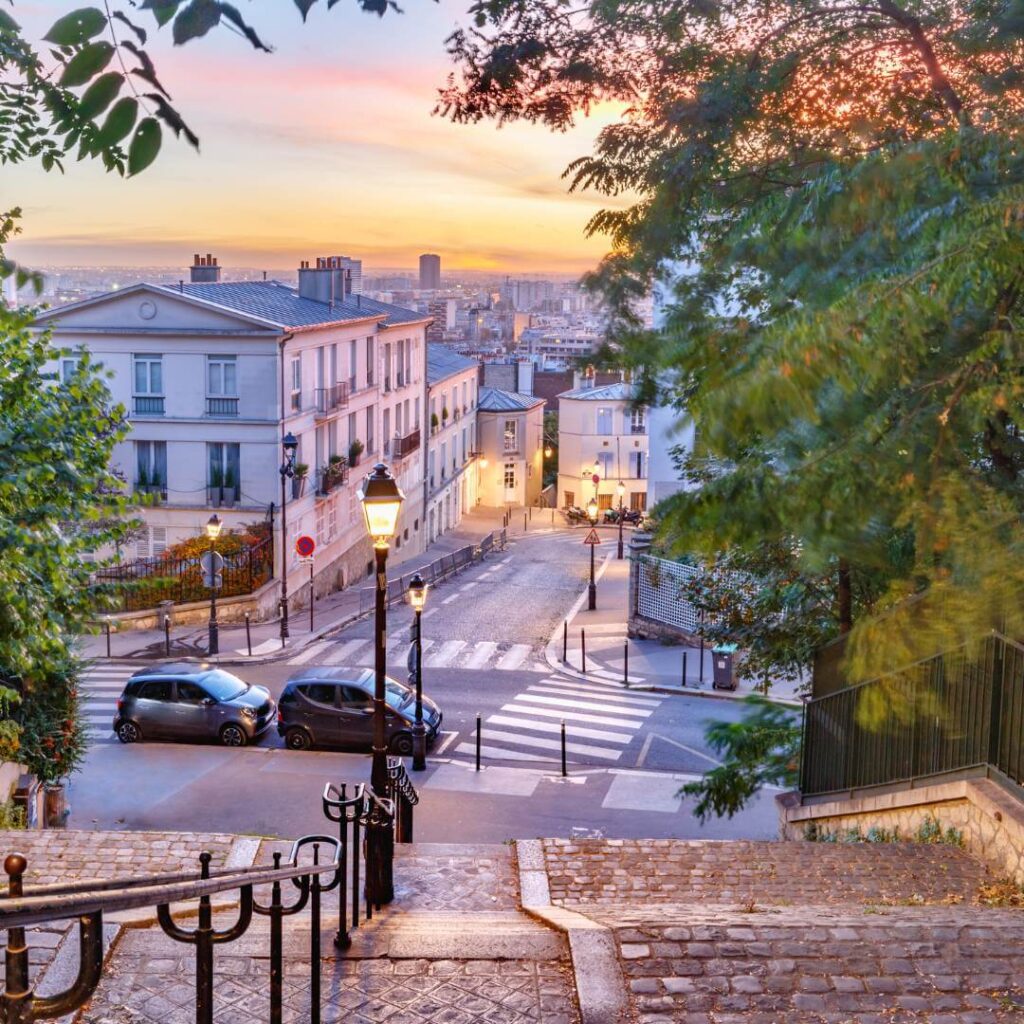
<point>956,711</point>
<point>144,583</point>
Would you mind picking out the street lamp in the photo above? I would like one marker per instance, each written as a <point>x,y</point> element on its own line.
<point>592,589</point>
<point>621,492</point>
<point>213,528</point>
<point>289,446</point>
<point>418,598</point>
<point>381,499</point>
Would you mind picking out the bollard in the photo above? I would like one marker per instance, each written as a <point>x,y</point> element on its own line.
<point>583,651</point>
<point>107,628</point>
<point>167,635</point>
<point>552,517</point>
<point>248,634</point>
<point>311,595</point>
<point>684,668</point>
<point>531,513</point>
<point>564,772</point>
<point>625,663</point>
<point>478,743</point>
<point>524,522</point>
<point>565,640</point>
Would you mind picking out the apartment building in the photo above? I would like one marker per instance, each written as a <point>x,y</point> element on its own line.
<point>511,431</point>
<point>602,433</point>
<point>450,489</point>
<point>213,374</point>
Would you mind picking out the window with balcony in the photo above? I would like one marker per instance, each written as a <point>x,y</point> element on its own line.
<point>223,478</point>
<point>511,435</point>
<point>221,386</point>
<point>148,395</point>
<point>151,468</point>
<point>296,383</point>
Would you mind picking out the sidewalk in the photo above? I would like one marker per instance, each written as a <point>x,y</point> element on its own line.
<point>331,613</point>
<point>652,664</point>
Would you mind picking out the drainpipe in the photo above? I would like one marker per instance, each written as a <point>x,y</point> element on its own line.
<point>285,338</point>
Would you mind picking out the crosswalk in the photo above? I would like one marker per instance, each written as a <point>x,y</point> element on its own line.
<point>101,686</point>
<point>601,720</point>
<point>482,655</point>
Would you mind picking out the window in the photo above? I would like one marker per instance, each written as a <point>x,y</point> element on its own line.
<point>464,387</point>
<point>511,435</point>
<point>352,697</point>
<point>149,375</point>
<point>604,465</point>
<point>510,476</point>
<point>369,430</point>
<point>464,453</point>
<point>386,431</point>
<point>320,693</point>
<point>570,499</point>
<point>296,383</point>
<point>223,480</point>
<point>353,357</point>
<point>221,375</point>
<point>444,458</point>
<point>430,460</point>
<point>191,693</point>
<point>400,380</point>
<point>151,542</point>
<point>387,367</point>
<point>369,362</point>
<point>604,421</point>
<point>408,360</point>
<point>151,467</point>
<point>638,501</point>
<point>636,465</point>
<point>155,689</point>
<point>68,368</point>
<point>637,421</point>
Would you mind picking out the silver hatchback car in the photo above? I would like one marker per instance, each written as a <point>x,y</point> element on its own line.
<point>192,702</point>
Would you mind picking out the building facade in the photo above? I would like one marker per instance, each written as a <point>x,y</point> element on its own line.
<point>451,424</point>
<point>214,374</point>
<point>430,271</point>
<point>511,431</point>
<point>602,433</point>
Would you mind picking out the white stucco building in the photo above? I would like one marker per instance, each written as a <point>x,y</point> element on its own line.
<point>511,431</point>
<point>213,374</point>
<point>602,433</point>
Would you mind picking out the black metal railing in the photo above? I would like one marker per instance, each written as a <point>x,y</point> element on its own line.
<point>226,407</point>
<point>326,400</point>
<point>89,901</point>
<point>959,711</point>
<point>148,405</point>
<point>145,582</point>
<point>404,446</point>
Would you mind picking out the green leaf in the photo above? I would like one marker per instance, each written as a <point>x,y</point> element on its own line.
<point>120,121</point>
<point>196,20</point>
<point>7,23</point>
<point>140,33</point>
<point>172,118</point>
<point>232,15</point>
<point>100,95</point>
<point>146,72</point>
<point>163,10</point>
<point>89,61</point>
<point>145,145</point>
<point>304,7</point>
<point>77,27</point>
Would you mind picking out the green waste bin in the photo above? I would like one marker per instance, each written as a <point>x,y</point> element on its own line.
<point>724,676</point>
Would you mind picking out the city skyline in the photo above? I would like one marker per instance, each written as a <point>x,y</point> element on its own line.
<point>320,147</point>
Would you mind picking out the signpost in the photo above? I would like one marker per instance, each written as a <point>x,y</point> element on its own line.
<point>592,538</point>
<point>304,548</point>
<point>212,562</point>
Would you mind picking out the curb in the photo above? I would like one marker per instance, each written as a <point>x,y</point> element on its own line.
<point>555,663</point>
<point>597,973</point>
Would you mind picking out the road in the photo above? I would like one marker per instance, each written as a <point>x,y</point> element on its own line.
<point>628,752</point>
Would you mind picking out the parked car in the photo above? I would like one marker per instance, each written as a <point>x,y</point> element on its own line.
<point>333,707</point>
<point>192,702</point>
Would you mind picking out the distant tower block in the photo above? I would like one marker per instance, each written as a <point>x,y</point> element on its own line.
<point>430,271</point>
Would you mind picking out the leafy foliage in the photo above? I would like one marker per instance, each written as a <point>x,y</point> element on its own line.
<point>53,739</point>
<point>763,749</point>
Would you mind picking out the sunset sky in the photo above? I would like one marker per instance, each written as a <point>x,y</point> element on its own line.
<point>325,146</point>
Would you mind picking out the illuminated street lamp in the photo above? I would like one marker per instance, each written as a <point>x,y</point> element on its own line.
<point>592,589</point>
<point>289,446</point>
<point>418,599</point>
<point>213,528</point>
<point>381,499</point>
<point>620,490</point>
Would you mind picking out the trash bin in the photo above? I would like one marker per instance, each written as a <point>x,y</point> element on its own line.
<point>724,677</point>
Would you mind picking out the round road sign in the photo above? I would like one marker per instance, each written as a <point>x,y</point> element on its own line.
<point>595,479</point>
<point>305,546</point>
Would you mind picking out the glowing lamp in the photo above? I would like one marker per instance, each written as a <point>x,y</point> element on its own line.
<point>381,498</point>
<point>592,510</point>
<point>417,593</point>
<point>213,526</point>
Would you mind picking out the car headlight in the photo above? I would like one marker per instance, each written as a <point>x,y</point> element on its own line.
<point>249,712</point>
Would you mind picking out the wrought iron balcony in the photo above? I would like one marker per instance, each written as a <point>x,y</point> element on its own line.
<point>226,407</point>
<point>327,400</point>
<point>148,405</point>
<point>404,446</point>
<point>638,428</point>
<point>332,476</point>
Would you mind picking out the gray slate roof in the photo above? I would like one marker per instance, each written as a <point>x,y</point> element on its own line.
<point>443,362</point>
<point>279,304</point>
<point>618,392</point>
<point>496,400</point>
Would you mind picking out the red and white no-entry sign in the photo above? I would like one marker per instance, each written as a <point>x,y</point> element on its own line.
<point>305,546</point>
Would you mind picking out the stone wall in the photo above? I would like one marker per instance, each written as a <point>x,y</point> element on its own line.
<point>990,819</point>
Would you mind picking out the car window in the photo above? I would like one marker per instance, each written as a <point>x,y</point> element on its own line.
<point>322,693</point>
<point>191,693</point>
<point>353,697</point>
<point>223,685</point>
<point>155,689</point>
<point>396,694</point>
<point>288,697</point>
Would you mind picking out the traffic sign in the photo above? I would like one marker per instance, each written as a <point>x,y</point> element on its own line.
<point>213,581</point>
<point>595,479</point>
<point>305,546</point>
<point>211,561</point>
<point>592,537</point>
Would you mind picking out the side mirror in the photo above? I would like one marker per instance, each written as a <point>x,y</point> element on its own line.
<point>208,702</point>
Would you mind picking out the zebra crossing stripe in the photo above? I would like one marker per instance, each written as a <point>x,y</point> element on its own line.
<point>570,690</point>
<point>443,656</point>
<point>561,702</point>
<point>514,657</point>
<point>571,716</point>
<point>534,741</point>
<point>500,754</point>
<point>344,652</point>
<point>482,654</point>
<point>555,727</point>
<point>309,653</point>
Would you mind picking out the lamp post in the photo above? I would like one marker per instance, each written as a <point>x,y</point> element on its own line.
<point>213,528</point>
<point>418,598</point>
<point>289,446</point>
<point>621,492</point>
<point>381,499</point>
<point>592,589</point>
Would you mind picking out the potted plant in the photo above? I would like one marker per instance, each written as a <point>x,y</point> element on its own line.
<point>444,414</point>
<point>433,422</point>
<point>355,449</point>
<point>216,484</point>
<point>230,487</point>
<point>299,475</point>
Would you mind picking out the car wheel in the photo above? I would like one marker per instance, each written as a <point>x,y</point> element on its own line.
<point>402,745</point>
<point>297,739</point>
<point>232,735</point>
<point>129,732</point>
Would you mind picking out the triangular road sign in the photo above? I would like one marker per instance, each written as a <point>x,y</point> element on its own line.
<point>592,537</point>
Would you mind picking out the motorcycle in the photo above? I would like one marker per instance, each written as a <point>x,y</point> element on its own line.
<point>575,515</point>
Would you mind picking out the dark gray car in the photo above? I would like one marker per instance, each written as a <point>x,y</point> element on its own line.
<point>333,707</point>
<point>192,702</point>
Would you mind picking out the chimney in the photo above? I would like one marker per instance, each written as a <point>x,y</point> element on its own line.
<point>328,282</point>
<point>204,269</point>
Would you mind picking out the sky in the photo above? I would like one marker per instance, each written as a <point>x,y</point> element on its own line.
<point>327,146</point>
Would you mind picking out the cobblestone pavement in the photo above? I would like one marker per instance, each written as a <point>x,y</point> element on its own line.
<point>159,989</point>
<point>943,965</point>
<point>655,871</point>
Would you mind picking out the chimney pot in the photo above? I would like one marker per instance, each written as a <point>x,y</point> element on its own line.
<point>195,260</point>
